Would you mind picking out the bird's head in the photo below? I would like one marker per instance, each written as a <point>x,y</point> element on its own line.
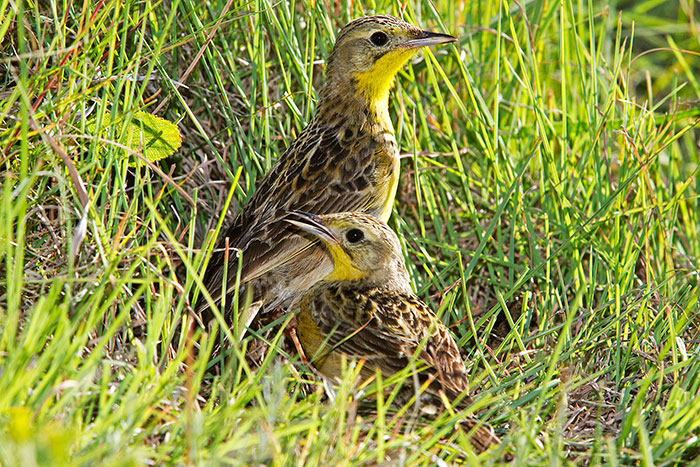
<point>362,247</point>
<point>371,50</point>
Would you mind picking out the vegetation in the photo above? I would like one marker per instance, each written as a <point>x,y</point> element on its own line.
<point>548,205</point>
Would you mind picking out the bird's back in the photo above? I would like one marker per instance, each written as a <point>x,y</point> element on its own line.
<point>386,329</point>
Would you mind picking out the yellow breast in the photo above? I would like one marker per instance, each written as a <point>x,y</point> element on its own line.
<point>316,348</point>
<point>387,177</point>
<point>388,191</point>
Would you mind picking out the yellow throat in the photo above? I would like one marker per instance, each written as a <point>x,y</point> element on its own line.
<point>343,269</point>
<point>374,85</point>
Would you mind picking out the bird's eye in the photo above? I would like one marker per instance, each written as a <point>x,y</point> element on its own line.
<point>354,235</point>
<point>379,38</point>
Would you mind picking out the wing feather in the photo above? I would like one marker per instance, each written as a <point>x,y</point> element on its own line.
<point>387,328</point>
<point>318,173</point>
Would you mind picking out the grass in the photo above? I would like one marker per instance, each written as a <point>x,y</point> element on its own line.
<point>548,205</point>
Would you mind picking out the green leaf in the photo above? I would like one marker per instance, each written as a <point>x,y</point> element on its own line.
<point>153,137</point>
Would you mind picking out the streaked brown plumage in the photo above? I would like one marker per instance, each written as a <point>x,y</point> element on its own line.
<point>345,159</point>
<point>365,309</point>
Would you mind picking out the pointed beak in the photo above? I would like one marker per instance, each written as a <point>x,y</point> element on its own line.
<point>312,224</point>
<point>428,39</point>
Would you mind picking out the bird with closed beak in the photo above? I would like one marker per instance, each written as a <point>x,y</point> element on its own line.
<point>365,310</point>
<point>345,159</point>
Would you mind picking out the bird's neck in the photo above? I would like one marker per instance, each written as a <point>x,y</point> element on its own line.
<point>367,286</point>
<point>395,283</point>
<point>352,98</point>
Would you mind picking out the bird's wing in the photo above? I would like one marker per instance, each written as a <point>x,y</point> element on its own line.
<point>316,174</point>
<point>387,329</point>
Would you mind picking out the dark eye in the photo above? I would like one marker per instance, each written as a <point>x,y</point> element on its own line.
<point>379,38</point>
<point>354,235</point>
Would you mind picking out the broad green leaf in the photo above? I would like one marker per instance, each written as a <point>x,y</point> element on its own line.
<point>153,137</point>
